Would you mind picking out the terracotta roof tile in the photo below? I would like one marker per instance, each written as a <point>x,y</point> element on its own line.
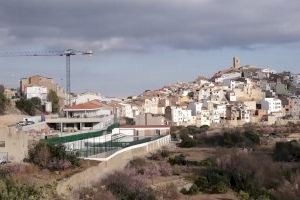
<point>95,104</point>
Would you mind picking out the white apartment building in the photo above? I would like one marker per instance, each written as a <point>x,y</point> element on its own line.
<point>215,117</point>
<point>195,107</point>
<point>244,113</point>
<point>151,105</point>
<point>126,110</point>
<point>204,118</point>
<point>271,105</point>
<point>220,109</point>
<point>180,116</point>
<point>37,91</point>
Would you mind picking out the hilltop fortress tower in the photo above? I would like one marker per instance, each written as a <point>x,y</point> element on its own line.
<point>236,63</point>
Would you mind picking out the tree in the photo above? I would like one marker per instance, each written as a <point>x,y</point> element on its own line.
<point>3,103</point>
<point>53,98</point>
<point>26,106</point>
<point>191,94</point>
<point>1,89</point>
<point>37,102</point>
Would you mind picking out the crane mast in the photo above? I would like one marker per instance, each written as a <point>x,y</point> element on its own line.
<point>68,53</point>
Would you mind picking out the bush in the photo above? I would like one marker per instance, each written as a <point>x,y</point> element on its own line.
<point>193,189</point>
<point>220,188</point>
<point>168,192</point>
<point>178,160</point>
<point>127,185</point>
<point>287,151</point>
<point>26,105</point>
<point>202,183</point>
<point>10,189</point>
<point>165,169</point>
<point>244,195</point>
<point>187,141</point>
<point>3,103</point>
<point>53,98</point>
<point>232,138</point>
<point>159,155</point>
<point>53,157</point>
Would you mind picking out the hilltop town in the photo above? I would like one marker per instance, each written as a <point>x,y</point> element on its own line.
<point>242,112</point>
<point>232,97</point>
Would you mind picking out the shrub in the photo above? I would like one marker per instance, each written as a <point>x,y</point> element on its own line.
<point>178,160</point>
<point>187,141</point>
<point>243,195</point>
<point>26,105</point>
<point>53,98</point>
<point>53,157</point>
<point>165,169</point>
<point>202,183</point>
<point>232,138</point>
<point>193,189</point>
<point>3,102</point>
<point>168,192</point>
<point>10,189</point>
<point>220,188</point>
<point>287,151</point>
<point>126,185</point>
<point>159,155</point>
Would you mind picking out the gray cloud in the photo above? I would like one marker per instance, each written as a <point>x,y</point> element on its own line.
<point>139,24</point>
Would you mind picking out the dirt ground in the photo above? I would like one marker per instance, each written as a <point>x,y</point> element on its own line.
<point>44,178</point>
<point>195,154</point>
<point>10,119</point>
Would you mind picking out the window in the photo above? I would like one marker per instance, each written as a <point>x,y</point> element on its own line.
<point>2,143</point>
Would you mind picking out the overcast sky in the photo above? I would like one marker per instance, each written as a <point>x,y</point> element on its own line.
<point>141,44</point>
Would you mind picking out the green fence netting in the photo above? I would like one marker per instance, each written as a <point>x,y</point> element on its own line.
<point>78,137</point>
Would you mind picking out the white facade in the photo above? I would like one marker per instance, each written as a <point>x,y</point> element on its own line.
<point>126,110</point>
<point>204,118</point>
<point>180,116</point>
<point>215,117</point>
<point>229,76</point>
<point>271,105</point>
<point>86,113</point>
<point>195,107</point>
<point>37,91</point>
<point>151,105</point>
<point>86,97</point>
<point>220,109</point>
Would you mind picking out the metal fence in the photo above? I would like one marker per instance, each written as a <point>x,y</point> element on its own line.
<point>98,142</point>
<point>78,137</point>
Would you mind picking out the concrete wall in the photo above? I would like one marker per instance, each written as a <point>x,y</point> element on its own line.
<point>115,162</point>
<point>16,144</point>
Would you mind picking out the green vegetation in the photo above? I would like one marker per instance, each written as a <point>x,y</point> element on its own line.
<point>53,98</point>
<point>12,188</point>
<point>37,103</point>
<point>3,101</point>
<point>287,151</point>
<point>128,186</point>
<point>29,106</point>
<point>235,138</point>
<point>53,157</point>
<point>187,141</point>
<point>192,137</point>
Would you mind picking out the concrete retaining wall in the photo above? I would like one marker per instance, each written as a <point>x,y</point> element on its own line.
<point>115,162</point>
<point>14,144</point>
